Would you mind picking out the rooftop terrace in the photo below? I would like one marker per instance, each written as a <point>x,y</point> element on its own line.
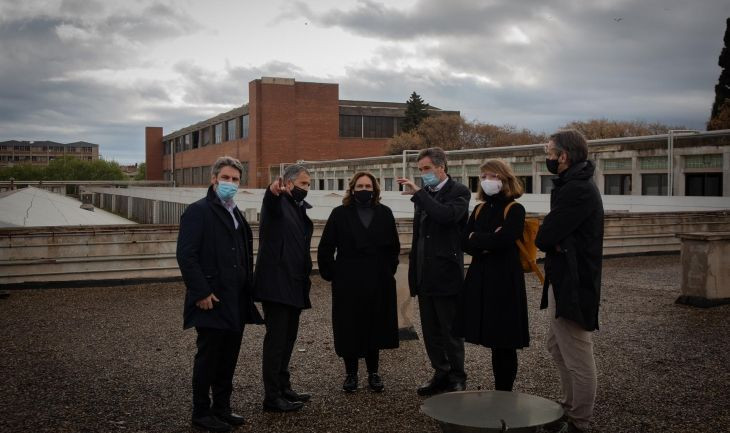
<point>115,359</point>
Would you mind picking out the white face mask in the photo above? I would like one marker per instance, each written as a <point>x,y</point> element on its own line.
<point>491,187</point>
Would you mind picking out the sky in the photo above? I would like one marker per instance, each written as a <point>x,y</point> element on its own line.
<point>100,71</point>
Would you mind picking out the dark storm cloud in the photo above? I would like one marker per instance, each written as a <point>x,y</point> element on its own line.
<point>46,91</point>
<point>549,61</point>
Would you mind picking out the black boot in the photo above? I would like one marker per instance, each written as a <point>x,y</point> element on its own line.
<point>350,384</point>
<point>375,382</point>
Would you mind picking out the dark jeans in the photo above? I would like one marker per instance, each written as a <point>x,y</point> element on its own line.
<point>282,326</point>
<point>213,368</point>
<point>504,367</point>
<point>371,361</point>
<point>445,351</point>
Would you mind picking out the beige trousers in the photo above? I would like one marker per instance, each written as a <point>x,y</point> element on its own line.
<point>571,347</point>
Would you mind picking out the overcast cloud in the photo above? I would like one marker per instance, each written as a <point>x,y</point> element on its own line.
<point>100,72</point>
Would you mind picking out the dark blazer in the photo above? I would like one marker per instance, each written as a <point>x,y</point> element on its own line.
<point>441,219</point>
<point>216,258</point>
<point>493,304</point>
<point>364,307</point>
<point>575,223</point>
<point>284,262</point>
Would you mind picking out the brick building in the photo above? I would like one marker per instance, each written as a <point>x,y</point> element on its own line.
<point>16,152</point>
<point>284,121</point>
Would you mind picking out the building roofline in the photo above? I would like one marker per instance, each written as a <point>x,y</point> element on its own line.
<point>46,143</point>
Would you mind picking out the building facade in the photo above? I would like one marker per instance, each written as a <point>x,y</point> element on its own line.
<point>682,164</point>
<point>16,152</point>
<point>284,121</point>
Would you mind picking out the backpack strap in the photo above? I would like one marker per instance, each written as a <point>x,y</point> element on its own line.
<point>523,250</point>
<point>478,209</point>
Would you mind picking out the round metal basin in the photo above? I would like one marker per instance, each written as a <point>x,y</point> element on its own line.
<point>490,411</point>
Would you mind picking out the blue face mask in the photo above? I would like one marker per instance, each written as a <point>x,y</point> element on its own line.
<point>429,179</point>
<point>226,190</point>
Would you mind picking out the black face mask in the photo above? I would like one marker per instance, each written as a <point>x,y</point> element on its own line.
<point>552,165</point>
<point>298,194</point>
<point>363,196</point>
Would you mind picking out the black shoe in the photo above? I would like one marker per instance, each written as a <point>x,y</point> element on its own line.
<point>456,386</point>
<point>280,404</point>
<point>375,382</point>
<point>211,423</point>
<point>432,387</point>
<point>231,418</point>
<point>292,395</point>
<point>350,384</point>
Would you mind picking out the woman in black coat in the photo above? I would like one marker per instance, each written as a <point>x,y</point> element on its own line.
<point>358,253</point>
<point>493,310</point>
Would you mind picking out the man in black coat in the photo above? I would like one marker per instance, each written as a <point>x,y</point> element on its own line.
<point>572,237</point>
<point>436,266</point>
<point>282,281</point>
<point>215,255</point>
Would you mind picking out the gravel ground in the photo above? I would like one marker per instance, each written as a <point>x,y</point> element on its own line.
<point>117,360</point>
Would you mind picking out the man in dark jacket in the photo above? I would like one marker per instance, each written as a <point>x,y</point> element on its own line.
<point>282,281</point>
<point>436,266</point>
<point>215,255</point>
<point>572,237</point>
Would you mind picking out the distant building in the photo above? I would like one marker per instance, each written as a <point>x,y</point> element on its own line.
<point>284,121</point>
<point>16,152</point>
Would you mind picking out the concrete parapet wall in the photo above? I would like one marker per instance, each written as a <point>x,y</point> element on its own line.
<point>49,254</point>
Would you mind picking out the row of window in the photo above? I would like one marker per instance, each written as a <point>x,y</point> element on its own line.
<point>225,131</point>
<point>34,158</point>
<point>199,175</point>
<point>55,149</point>
<point>696,184</point>
<point>370,126</point>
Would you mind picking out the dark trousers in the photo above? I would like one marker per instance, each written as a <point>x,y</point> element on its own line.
<point>371,361</point>
<point>213,368</point>
<point>504,367</point>
<point>282,326</point>
<point>445,351</point>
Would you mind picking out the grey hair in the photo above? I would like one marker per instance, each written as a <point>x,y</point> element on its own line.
<point>292,172</point>
<point>437,155</point>
<point>225,161</point>
<point>572,143</point>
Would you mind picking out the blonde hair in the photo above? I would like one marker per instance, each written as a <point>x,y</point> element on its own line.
<point>511,186</point>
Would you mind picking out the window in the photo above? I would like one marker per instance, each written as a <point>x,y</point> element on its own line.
<point>457,179</point>
<point>340,184</point>
<point>399,124</point>
<point>654,184</point>
<point>195,137</point>
<point>377,126</point>
<point>703,184</point>
<point>617,164</point>
<point>350,126</point>
<point>244,126</point>
<point>188,141</point>
<point>244,174</point>
<point>388,184</point>
<point>526,182</point>
<point>617,184</point>
<point>546,184</point>
<point>206,136</point>
<point>178,147</point>
<point>330,184</point>
<point>218,133</point>
<point>231,130</point>
<point>473,183</point>
<point>321,184</point>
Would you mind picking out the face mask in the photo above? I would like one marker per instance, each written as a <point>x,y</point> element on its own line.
<point>363,196</point>
<point>298,193</point>
<point>552,165</point>
<point>491,187</point>
<point>429,179</point>
<point>226,190</point>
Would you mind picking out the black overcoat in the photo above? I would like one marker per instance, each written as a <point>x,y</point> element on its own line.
<point>441,218</point>
<point>216,258</point>
<point>493,304</point>
<point>575,223</point>
<point>361,263</point>
<point>284,261</point>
